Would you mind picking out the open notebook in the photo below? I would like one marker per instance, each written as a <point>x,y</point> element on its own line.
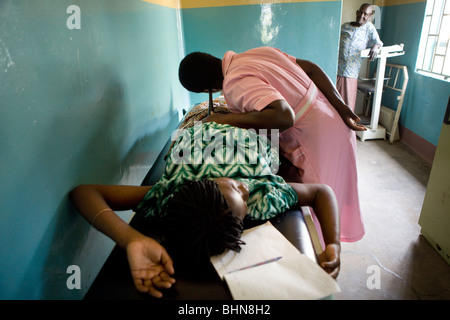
<point>269,267</point>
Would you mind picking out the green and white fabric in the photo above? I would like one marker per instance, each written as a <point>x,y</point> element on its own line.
<point>212,150</point>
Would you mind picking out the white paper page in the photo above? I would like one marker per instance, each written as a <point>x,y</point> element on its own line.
<point>293,278</point>
<point>263,242</point>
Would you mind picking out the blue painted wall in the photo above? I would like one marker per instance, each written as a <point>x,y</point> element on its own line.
<point>94,105</point>
<point>307,30</point>
<point>426,98</point>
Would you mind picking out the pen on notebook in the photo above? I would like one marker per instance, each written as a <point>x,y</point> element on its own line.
<point>257,264</point>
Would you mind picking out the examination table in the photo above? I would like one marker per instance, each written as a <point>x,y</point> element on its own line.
<point>114,280</point>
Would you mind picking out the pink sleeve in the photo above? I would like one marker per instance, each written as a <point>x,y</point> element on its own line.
<point>251,94</point>
<point>292,58</point>
<point>251,87</point>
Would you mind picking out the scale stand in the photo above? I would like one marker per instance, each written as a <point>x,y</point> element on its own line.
<point>374,130</point>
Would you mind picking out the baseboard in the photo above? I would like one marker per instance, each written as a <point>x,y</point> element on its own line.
<point>416,143</point>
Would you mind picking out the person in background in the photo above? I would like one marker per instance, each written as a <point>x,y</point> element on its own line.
<point>355,37</point>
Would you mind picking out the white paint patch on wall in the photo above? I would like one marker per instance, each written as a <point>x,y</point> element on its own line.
<point>6,61</point>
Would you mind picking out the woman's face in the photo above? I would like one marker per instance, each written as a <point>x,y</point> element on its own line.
<point>236,194</point>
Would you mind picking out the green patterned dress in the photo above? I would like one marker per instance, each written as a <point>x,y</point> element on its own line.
<point>212,150</point>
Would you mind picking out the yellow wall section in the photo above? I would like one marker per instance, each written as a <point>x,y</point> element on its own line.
<point>185,4</point>
<point>222,3</point>
<point>385,3</point>
<point>166,3</point>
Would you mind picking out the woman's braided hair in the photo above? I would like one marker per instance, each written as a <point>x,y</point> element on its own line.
<point>200,224</point>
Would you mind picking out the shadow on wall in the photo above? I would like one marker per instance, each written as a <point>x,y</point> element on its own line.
<point>69,239</point>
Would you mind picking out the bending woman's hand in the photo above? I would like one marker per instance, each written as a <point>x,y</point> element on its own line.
<point>151,267</point>
<point>330,261</point>
<point>351,120</point>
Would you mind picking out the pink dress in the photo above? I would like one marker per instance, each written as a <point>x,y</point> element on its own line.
<point>319,144</point>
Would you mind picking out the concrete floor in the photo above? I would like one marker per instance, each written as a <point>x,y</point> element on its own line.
<point>393,261</point>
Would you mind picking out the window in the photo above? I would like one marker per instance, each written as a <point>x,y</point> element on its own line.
<point>434,52</point>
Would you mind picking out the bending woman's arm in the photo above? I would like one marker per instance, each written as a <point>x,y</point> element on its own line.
<point>326,86</point>
<point>149,262</point>
<point>276,115</point>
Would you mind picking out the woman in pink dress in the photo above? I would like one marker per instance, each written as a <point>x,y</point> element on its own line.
<point>268,89</point>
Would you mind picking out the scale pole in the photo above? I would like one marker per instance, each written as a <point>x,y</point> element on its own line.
<point>381,66</point>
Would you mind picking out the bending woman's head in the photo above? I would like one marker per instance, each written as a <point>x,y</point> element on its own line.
<point>200,223</point>
<point>200,72</point>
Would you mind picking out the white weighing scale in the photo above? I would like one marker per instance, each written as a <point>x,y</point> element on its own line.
<point>374,130</point>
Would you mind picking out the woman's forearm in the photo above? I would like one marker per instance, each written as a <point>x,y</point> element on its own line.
<point>321,198</point>
<point>97,204</point>
<point>326,209</point>
<point>325,85</point>
<point>110,224</point>
<point>277,115</point>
